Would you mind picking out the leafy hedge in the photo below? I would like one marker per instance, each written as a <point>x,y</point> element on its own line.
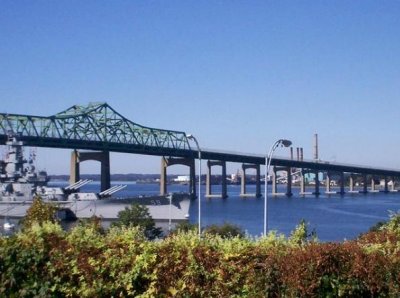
<point>45,261</point>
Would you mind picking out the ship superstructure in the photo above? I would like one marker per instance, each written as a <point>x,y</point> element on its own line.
<point>18,181</point>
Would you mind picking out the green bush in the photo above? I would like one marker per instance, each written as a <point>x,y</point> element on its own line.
<point>138,216</point>
<point>185,227</point>
<point>225,230</point>
<point>301,236</point>
<point>42,260</point>
<point>39,212</point>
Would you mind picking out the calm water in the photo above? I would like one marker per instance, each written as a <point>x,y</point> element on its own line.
<point>333,217</point>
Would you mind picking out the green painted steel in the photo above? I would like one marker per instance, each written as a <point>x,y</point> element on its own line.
<point>97,125</point>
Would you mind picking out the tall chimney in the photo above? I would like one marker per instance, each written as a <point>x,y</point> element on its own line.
<point>291,152</point>
<point>301,153</point>
<point>298,153</point>
<point>315,146</point>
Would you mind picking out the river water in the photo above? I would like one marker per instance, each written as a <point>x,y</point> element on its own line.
<point>333,217</point>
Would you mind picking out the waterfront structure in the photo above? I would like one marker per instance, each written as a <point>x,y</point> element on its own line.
<point>224,191</point>
<point>100,128</point>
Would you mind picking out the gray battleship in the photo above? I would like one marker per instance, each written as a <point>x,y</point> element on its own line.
<point>20,183</point>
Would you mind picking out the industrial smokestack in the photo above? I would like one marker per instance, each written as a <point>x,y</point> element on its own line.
<point>298,153</point>
<point>301,153</point>
<point>315,146</point>
<point>291,153</point>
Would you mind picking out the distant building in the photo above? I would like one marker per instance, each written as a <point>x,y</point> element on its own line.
<point>182,179</point>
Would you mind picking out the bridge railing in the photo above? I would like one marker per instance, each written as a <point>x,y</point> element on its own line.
<point>305,161</point>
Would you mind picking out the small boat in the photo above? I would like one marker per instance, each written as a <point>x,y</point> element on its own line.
<point>7,226</point>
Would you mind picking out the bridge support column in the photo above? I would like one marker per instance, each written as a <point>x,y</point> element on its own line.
<point>74,168</point>
<point>258,182</point>
<point>393,186</point>
<point>192,182</point>
<point>274,182</point>
<point>224,185</point>
<point>103,157</point>
<point>105,171</point>
<point>341,192</point>
<point>208,180</point>
<point>386,190</point>
<point>316,179</point>
<point>351,183</point>
<point>302,183</point>
<point>289,182</point>
<point>328,183</point>
<point>365,184</point>
<point>163,177</point>
<point>224,192</point>
<point>243,184</point>
<point>166,162</point>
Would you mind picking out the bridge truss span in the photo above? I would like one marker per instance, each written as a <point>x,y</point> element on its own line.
<point>95,126</point>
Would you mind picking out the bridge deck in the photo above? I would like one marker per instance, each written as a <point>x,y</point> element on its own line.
<point>99,127</point>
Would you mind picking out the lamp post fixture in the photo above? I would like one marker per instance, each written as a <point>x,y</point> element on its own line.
<point>268,158</point>
<point>191,137</point>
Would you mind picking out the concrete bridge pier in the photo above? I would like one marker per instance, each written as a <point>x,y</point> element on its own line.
<point>302,183</point>
<point>74,175</point>
<point>393,186</point>
<point>224,192</point>
<point>373,189</point>
<point>351,184</point>
<point>328,186</point>
<point>365,184</point>
<point>328,183</point>
<point>274,182</point>
<point>289,182</point>
<point>316,179</point>
<point>385,185</point>
<point>386,189</point>
<point>244,193</point>
<point>275,192</point>
<point>80,156</point>
<point>342,182</point>
<point>166,162</point>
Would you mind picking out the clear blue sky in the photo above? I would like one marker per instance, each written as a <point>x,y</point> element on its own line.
<point>236,74</point>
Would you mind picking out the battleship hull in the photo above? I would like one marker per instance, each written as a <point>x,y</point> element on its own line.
<point>19,184</point>
<point>161,208</point>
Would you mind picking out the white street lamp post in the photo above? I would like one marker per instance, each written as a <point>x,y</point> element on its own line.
<point>191,137</point>
<point>170,220</point>
<point>268,159</point>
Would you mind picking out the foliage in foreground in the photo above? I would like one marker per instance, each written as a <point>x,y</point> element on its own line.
<point>39,212</point>
<point>226,230</point>
<point>43,260</point>
<point>138,216</point>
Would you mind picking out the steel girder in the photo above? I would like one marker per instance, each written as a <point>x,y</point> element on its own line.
<point>96,124</point>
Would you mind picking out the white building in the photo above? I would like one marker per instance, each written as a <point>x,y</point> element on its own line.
<point>182,179</point>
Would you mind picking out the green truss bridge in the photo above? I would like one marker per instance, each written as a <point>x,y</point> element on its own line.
<point>96,126</point>
<point>99,127</point>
